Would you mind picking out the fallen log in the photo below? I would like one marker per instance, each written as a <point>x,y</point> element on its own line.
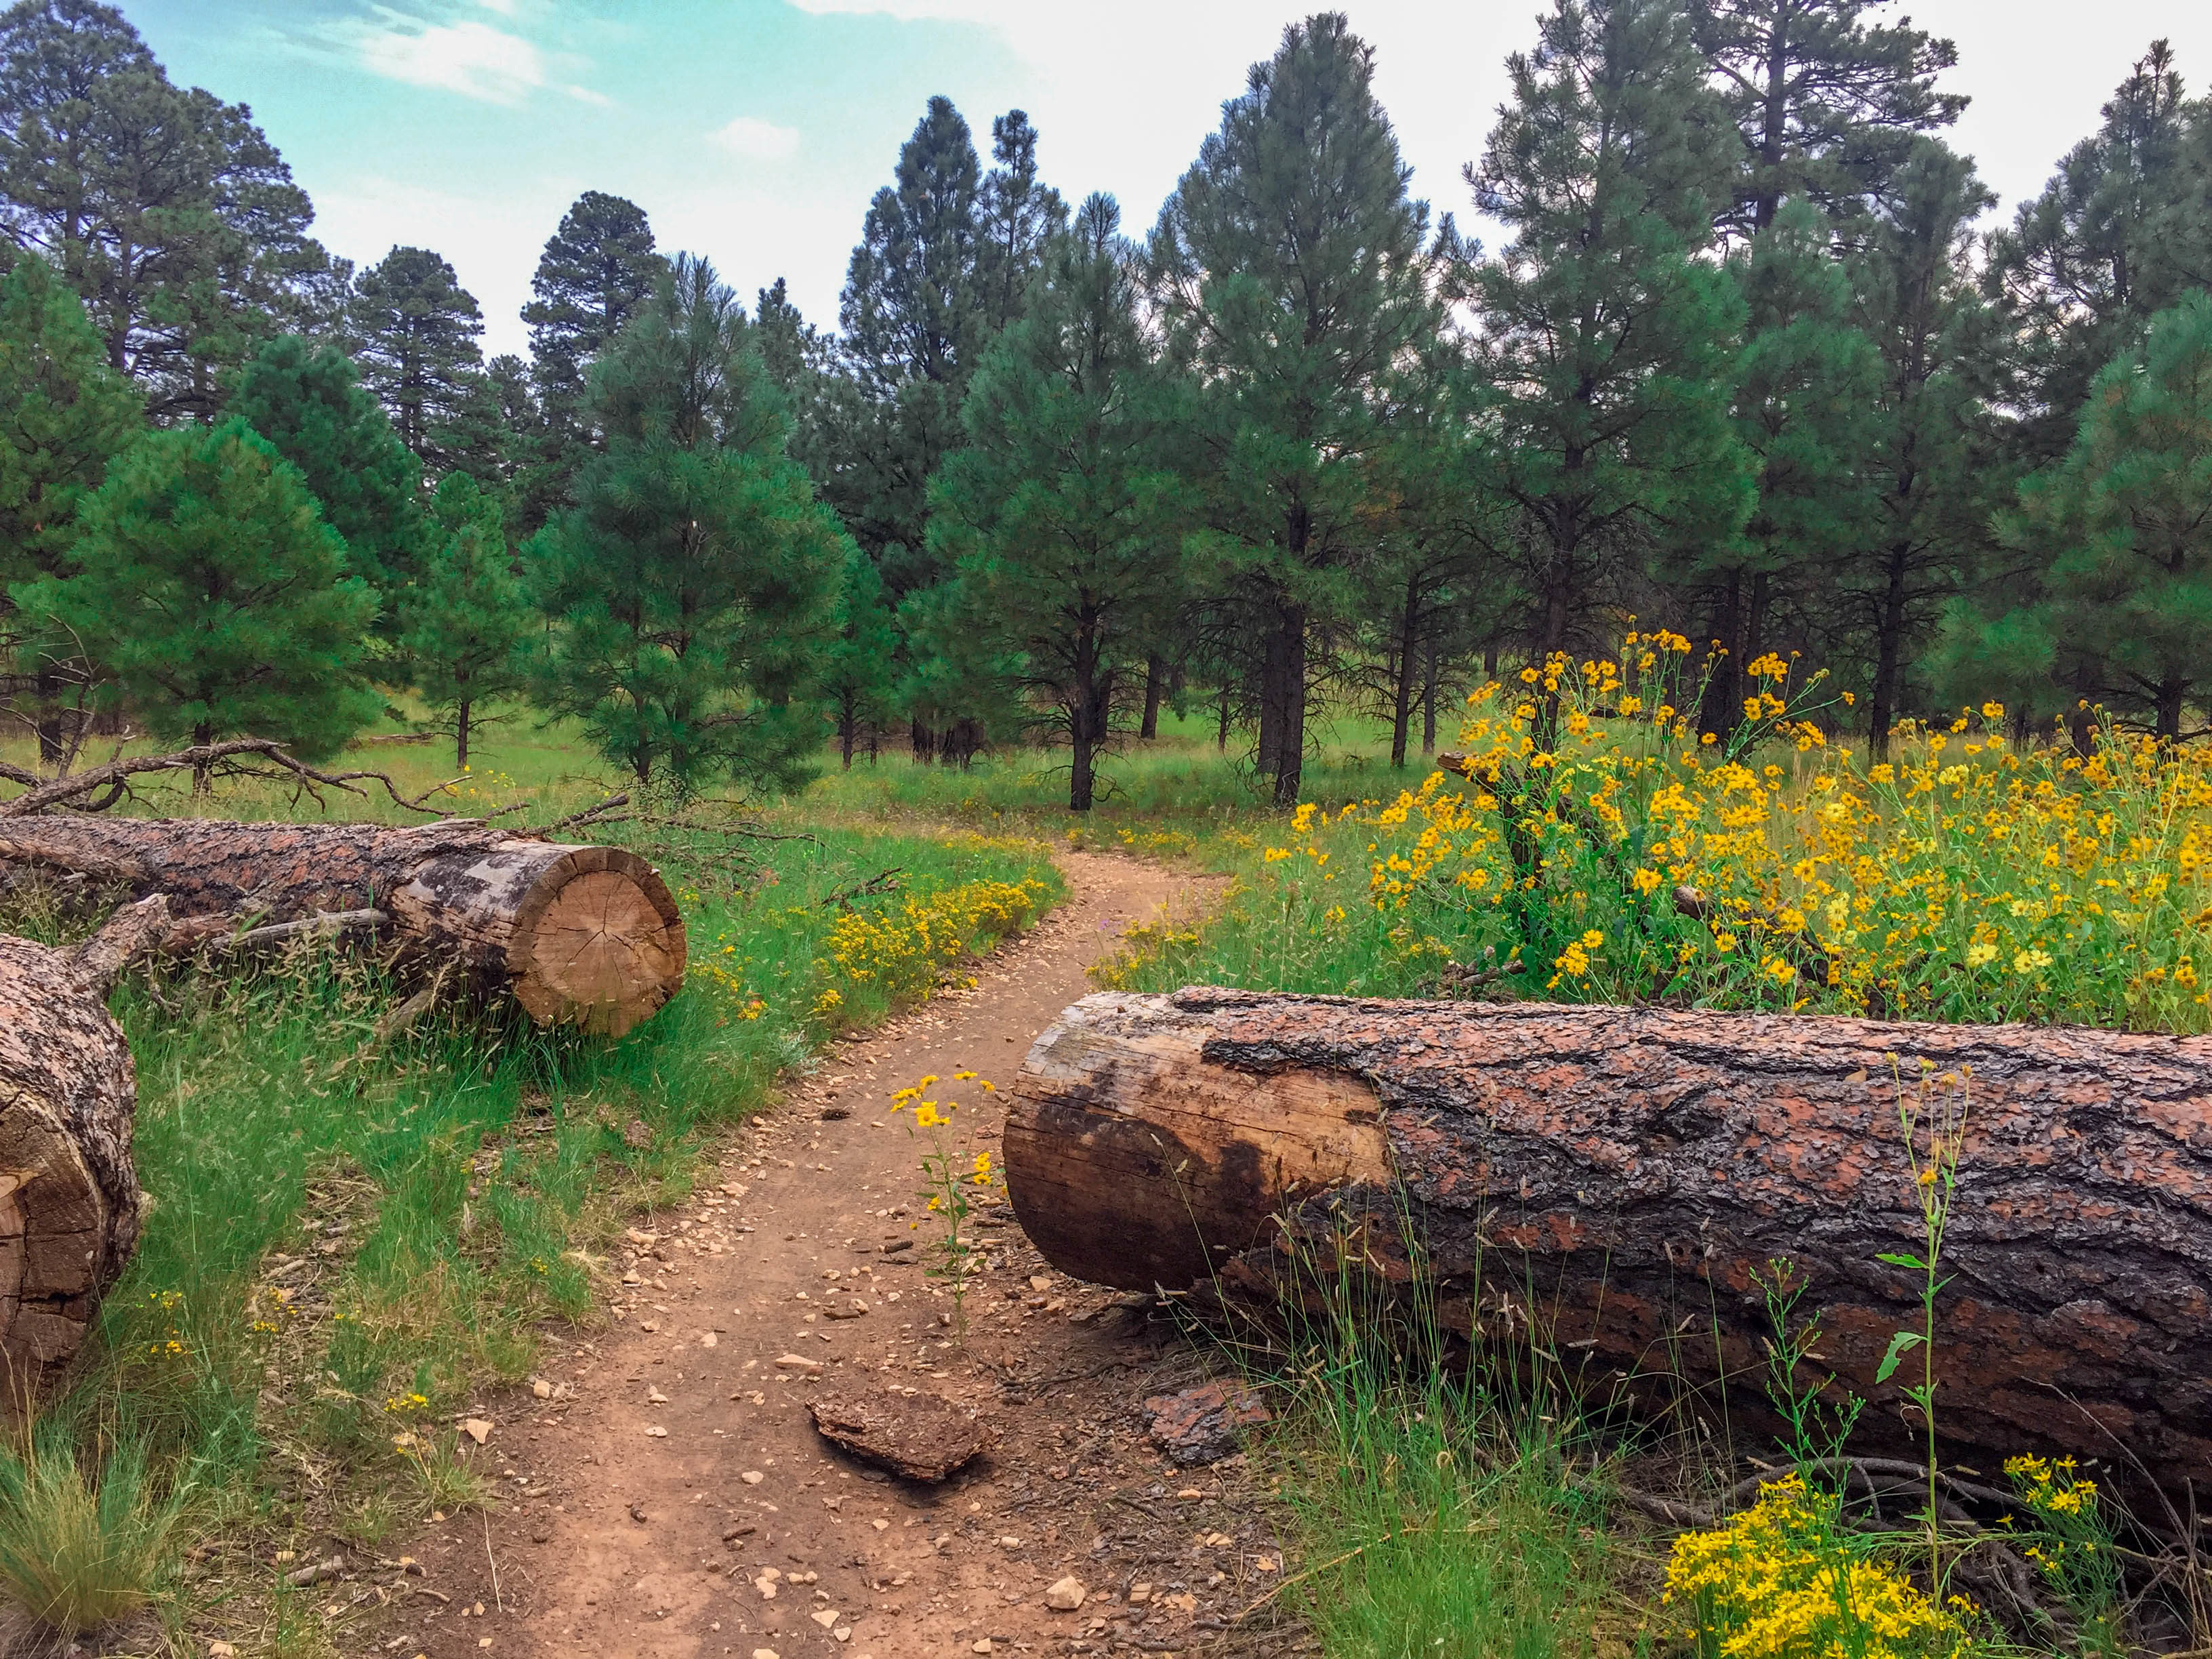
<point>1609,1187</point>
<point>587,936</point>
<point>70,1203</point>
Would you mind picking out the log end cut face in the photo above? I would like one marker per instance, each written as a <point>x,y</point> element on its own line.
<point>586,936</point>
<point>598,942</point>
<point>69,1201</point>
<point>1134,1162</point>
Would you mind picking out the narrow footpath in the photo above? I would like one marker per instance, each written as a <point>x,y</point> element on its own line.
<point>665,1493</point>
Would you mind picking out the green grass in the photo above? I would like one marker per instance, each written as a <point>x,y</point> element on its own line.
<point>443,1195</point>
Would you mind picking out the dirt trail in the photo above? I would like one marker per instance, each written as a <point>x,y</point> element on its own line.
<point>674,1463</point>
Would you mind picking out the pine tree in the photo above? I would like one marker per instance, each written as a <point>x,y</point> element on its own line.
<point>1062,516</point>
<point>64,415</point>
<point>2083,266</point>
<point>308,402</point>
<point>213,597</point>
<point>1933,470</point>
<point>166,209</point>
<point>414,331</point>
<point>860,667</point>
<point>1806,386</point>
<point>2121,532</point>
<point>692,583</point>
<point>1607,343</point>
<point>1827,103</point>
<point>1016,215</point>
<point>597,269</point>
<point>465,623</point>
<point>497,435</point>
<point>909,313</point>
<point>1297,208</point>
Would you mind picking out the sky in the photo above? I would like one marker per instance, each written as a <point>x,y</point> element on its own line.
<point>754,131</point>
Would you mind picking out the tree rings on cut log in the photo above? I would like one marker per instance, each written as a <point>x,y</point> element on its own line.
<point>68,1198</point>
<point>922,1437</point>
<point>587,936</point>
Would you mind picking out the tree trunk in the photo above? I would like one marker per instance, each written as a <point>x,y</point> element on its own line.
<point>1401,687</point>
<point>461,734</point>
<point>1156,674</point>
<point>583,935</point>
<point>70,1203</point>
<point>1221,735</point>
<point>1721,710</point>
<point>1429,697</point>
<point>1290,747</point>
<point>1629,1174</point>
<point>1889,653</point>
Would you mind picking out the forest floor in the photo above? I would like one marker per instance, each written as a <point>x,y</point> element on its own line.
<point>666,1491</point>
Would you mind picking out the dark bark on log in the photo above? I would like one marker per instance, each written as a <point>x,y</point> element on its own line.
<point>70,1203</point>
<point>582,935</point>
<point>1620,1178</point>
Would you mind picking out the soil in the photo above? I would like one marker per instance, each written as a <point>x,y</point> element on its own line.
<point>664,1492</point>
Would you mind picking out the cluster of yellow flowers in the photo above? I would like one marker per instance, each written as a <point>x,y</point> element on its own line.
<point>901,954</point>
<point>2069,1541</point>
<point>1777,1582</point>
<point>1965,879</point>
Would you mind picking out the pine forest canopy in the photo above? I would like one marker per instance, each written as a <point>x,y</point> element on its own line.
<point>1742,364</point>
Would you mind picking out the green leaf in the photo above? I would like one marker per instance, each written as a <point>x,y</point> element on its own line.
<point>1912,1261</point>
<point>1900,1345</point>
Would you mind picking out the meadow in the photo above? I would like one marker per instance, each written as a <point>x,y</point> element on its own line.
<point>360,1228</point>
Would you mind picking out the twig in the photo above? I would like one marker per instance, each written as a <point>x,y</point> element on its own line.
<point>884,881</point>
<point>590,813</point>
<point>1334,1561</point>
<point>495,1599</point>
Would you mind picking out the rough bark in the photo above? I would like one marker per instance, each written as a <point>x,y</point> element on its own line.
<point>583,935</point>
<point>69,1202</point>
<point>1629,1174</point>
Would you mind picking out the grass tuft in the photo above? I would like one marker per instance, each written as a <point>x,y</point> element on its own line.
<point>75,1554</point>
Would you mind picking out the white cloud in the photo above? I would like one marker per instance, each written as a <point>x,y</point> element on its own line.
<point>585,95</point>
<point>504,8</point>
<point>471,59</point>
<point>760,141</point>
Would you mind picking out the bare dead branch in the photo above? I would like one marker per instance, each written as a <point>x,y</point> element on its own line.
<point>236,757</point>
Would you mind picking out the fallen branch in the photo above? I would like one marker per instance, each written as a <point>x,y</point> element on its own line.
<point>225,759</point>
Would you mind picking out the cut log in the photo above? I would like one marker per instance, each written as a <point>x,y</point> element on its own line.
<point>1609,1187</point>
<point>69,1202</point>
<point>587,936</point>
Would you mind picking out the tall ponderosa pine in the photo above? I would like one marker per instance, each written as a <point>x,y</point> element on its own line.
<point>1063,516</point>
<point>415,329</point>
<point>598,268</point>
<point>1805,385</point>
<point>692,583</point>
<point>213,596</point>
<point>908,320</point>
<point>1291,269</point>
<point>65,415</point>
<point>1934,471</point>
<point>1606,343</point>
<point>308,402</point>
<point>2121,531</point>
<point>465,621</point>
<point>1827,103</point>
<point>2118,233</point>
<point>166,209</point>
